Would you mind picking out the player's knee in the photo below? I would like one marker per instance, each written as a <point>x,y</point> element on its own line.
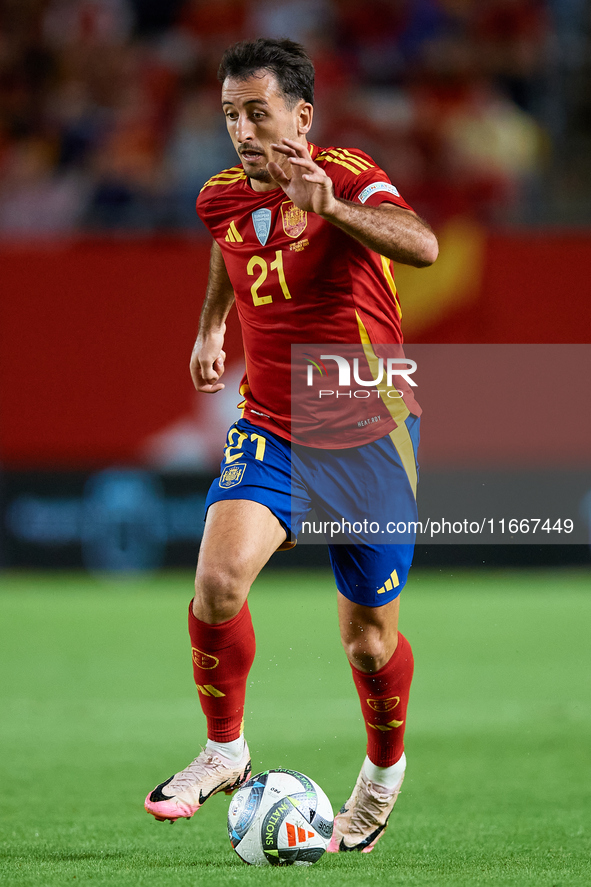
<point>220,592</point>
<point>369,651</point>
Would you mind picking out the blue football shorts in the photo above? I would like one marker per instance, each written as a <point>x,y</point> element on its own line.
<point>362,501</point>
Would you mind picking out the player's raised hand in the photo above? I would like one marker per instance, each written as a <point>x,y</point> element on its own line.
<point>207,363</point>
<point>306,183</point>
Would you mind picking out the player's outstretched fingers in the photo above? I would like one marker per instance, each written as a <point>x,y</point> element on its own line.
<point>277,174</point>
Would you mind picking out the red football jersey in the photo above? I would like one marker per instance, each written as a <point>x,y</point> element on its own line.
<point>299,279</point>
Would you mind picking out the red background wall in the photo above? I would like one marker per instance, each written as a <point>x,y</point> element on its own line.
<point>95,335</point>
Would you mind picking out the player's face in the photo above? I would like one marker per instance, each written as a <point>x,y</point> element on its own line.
<point>257,116</point>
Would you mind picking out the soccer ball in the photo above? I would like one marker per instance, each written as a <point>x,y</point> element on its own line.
<point>280,817</point>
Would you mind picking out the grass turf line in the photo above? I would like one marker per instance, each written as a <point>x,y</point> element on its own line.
<point>98,705</point>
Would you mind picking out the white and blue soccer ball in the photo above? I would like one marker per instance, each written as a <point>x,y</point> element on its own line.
<point>280,817</point>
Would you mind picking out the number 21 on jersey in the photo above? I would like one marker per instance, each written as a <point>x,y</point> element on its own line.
<point>257,263</point>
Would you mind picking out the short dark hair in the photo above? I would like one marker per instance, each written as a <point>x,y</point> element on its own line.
<point>287,60</point>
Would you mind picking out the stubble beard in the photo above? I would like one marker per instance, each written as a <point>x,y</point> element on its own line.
<point>262,175</point>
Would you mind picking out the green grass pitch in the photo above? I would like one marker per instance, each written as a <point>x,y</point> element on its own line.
<point>98,705</point>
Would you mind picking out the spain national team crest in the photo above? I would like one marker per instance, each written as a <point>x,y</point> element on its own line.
<point>294,219</point>
<point>384,704</point>
<point>204,660</point>
<point>232,475</point>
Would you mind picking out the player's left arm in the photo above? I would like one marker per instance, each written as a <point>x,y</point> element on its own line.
<point>389,230</point>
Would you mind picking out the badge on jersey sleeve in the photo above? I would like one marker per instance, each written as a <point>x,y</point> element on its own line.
<point>261,219</point>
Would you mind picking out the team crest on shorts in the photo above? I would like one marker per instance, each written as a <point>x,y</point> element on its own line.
<point>295,219</point>
<point>232,475</point>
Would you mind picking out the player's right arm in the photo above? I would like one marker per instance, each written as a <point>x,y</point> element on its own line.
<point>208,356</point>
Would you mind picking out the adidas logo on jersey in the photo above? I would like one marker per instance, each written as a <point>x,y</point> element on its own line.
<point>233,234</point>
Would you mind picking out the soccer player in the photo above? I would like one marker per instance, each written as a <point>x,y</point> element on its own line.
<point>303,243</point>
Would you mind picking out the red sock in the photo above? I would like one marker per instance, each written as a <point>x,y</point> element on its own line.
<point>222,657</point>
<point>384,698</point>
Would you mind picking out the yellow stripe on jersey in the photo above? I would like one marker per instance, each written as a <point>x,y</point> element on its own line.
<point>228,173</point>
<point>390,278</point>
<point>223,182</point>
<point>348,166</point>
<point>227,177</point>
<point>223,179</point>
<point>344,154</point>
<point>345,159</point>
<point>400,437</point>
<point>350,162</point>
<point>231,171</point>
<point>224,176</point>
<point>365,164</point>
<point>243,391</point>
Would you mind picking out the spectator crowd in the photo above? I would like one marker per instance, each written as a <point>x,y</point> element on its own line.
<point>110,117</point>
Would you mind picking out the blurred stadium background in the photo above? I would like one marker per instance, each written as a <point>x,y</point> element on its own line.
<point>109,125</point>
<point>480,111</point>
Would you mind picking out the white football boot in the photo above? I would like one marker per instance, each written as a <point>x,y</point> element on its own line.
<point>362,820</point>
<point>185,792</point>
